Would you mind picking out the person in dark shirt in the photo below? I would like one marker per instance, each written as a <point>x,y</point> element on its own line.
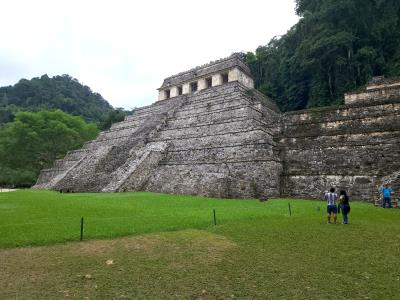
<point>344,205</point>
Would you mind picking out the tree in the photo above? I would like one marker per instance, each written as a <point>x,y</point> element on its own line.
<point>59,92</point>
<point>336,47</point>
<point>35,139</point>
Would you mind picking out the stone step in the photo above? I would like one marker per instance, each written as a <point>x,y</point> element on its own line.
<point>153,107</point>
<point>182,139</point>
<point>61,164</point>
<point>233,153</point>
<point>322,160</point>
<point>75,154</point>
<point>215,116</point>
<point>225,139</point>
<point>258,160</point>
<point>142,117</point>
<point>158,107</point>
<point>110,134</point>
<point>112,137</point>
<point>207,109</point>
<point>327,141</point>
<point>214,105</point>
<point>340,114</point>
<point>222,90</point>
<point>234,125</point>
<point>205,121</point>
<point>124,124</point>
<point>195,101</point>
<point>219,99</point>
<point>208,112</point>
<point>359,126</point>
<point>106,142</point>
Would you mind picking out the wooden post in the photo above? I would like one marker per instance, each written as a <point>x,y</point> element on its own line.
<point>290,210</point>
<point>81,228</point>
<point>215,218</point>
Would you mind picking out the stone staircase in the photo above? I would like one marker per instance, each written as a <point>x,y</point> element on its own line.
<point>134,173</point>
<point>48,178</point>
<point>104,163</point>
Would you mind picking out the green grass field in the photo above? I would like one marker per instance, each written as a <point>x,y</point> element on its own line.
<point>169,248</point>
<point>30,217</point>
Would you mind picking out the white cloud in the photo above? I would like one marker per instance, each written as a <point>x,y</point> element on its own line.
<point>124,49</point>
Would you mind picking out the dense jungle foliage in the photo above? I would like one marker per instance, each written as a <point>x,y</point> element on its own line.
<point>59,92</point>
<point>336,47</point>
<point>34,140</point>
<point>37,124</point>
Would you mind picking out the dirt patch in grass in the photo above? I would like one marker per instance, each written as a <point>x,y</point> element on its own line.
<point>196,240</point>
<point>138,266</point>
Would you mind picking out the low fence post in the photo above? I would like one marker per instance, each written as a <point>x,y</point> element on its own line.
<point>81,228</point>
<point>215,218</point>
<point>290,210</point>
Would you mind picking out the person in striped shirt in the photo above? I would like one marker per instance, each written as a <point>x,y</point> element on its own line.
<point>331,209</point>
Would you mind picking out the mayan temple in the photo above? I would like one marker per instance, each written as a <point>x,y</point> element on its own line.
<point>211,133</point>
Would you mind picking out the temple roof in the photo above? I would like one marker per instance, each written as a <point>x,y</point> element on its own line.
<point>215,66</point>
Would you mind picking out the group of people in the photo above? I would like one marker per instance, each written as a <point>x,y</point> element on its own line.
<point>333,207</point>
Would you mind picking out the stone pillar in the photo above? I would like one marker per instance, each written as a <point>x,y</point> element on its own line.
<point>233,75</point>
<point>236,74</point>
<point>246,80</point>
<point>201,84</point>
<point>216,79</point>
<point>161,95</point>
<point>185,88</point>
<point>174,91</point>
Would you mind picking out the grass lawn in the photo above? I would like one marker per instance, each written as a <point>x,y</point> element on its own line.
<point>169,248</point>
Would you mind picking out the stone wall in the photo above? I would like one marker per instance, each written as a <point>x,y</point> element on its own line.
<point>386,92</point>
<point>352,147</point>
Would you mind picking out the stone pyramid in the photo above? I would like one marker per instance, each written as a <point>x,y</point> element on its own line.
<point>206,135</point>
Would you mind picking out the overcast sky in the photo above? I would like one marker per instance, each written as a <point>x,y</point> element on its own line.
<point>124,49</point>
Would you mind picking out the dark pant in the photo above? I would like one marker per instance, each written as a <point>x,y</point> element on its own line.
<point>387,201</point>
<point>345,210</point>
<point>331,209</point>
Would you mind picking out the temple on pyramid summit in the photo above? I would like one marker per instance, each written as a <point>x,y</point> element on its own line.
<point>211,133</point>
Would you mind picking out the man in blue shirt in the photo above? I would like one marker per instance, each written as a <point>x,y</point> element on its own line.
<point>387,195</point>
